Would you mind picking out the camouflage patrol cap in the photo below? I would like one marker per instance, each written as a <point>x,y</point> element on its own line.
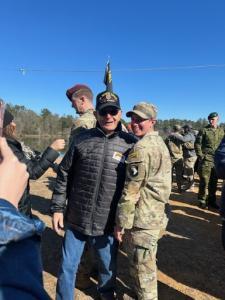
<point>106,99</point>
<point>77,89</point>
<point>176,127</point>
<point>212,115</point>
<point>144,110</point>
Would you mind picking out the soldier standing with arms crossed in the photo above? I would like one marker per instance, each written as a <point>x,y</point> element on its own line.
<point>141,211</point>
<point>207,141</point>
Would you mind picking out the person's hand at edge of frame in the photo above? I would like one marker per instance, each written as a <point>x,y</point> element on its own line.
<point>13,175</point>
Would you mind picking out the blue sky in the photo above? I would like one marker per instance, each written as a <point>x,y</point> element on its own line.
<point>59,38</point>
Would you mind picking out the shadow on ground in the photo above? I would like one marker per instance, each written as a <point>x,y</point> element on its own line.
<point>191,254</point>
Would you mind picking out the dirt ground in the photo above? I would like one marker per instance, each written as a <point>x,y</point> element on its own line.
<point>191,260</point>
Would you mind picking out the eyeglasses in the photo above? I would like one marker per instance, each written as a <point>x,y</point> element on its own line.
<point>110,111</point>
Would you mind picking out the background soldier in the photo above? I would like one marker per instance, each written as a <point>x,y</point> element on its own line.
<point>141,209</point>
<point>207,141</point>
<point>176,153</point>
<point>81,97</point>
<point>189,154</point>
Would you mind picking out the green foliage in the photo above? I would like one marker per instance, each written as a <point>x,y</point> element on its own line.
<point>30,123</point>
<point>46,123</point>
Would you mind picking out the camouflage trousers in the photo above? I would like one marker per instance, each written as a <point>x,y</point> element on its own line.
<point>141,247</point>
<point>189,164</point>
<point>208,181</point>
<point>177,166</point>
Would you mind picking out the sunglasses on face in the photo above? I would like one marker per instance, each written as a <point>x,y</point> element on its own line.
<point>137,120</point>
<point>110,111</point>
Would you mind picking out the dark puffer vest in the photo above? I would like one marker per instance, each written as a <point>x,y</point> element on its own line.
<point>92,176</point>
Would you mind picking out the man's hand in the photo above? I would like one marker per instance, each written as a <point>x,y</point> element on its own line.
<point>13,175</point>
<point>57,222</point>
<point>118,233</point>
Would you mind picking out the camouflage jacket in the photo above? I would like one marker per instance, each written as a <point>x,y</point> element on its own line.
<point>147,186</point>
<point>175,146</point>
<point>188,141</point>
<point>207,141</point>
<point>85,121</point>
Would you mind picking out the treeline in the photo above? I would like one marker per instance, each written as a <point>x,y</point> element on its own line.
<point>166,126</point>
<point>46,123</point>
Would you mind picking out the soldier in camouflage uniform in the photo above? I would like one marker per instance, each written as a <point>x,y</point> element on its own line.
<point>141,212</point>
<point>81,97</point>
<point>207,141</point>
<point>175,147</point>
<point>189,156</point>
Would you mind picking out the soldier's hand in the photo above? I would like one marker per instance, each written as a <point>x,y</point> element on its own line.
<point>57,222</point>
<point>118,233</point>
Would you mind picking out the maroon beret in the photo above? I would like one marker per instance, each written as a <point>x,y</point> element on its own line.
<point>77,88</point>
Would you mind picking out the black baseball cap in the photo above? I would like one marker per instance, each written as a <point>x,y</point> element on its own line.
<point>107,99</point>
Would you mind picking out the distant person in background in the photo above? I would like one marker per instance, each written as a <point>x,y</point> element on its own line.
<point>81,97</point>
<point>20,259</point>
<point>35,167</point>
<point>189,156</point>
<point>207,141</point>
<point>129,128</point>
<point>176,153</point>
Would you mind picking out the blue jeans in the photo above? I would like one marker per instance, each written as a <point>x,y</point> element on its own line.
<point>105,247</point>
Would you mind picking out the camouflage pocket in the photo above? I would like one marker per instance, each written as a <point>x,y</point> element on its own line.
<point>141,255</point>
<point>189,145</point>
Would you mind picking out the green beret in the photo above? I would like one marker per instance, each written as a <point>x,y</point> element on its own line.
<point>212,115</point>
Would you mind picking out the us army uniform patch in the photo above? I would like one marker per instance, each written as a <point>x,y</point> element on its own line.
<point>135,166</point>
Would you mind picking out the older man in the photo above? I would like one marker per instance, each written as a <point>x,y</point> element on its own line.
<point>91,176</point>
<point>141,211</point>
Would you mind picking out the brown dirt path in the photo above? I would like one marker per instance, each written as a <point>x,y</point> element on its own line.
<point>191,261</point>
